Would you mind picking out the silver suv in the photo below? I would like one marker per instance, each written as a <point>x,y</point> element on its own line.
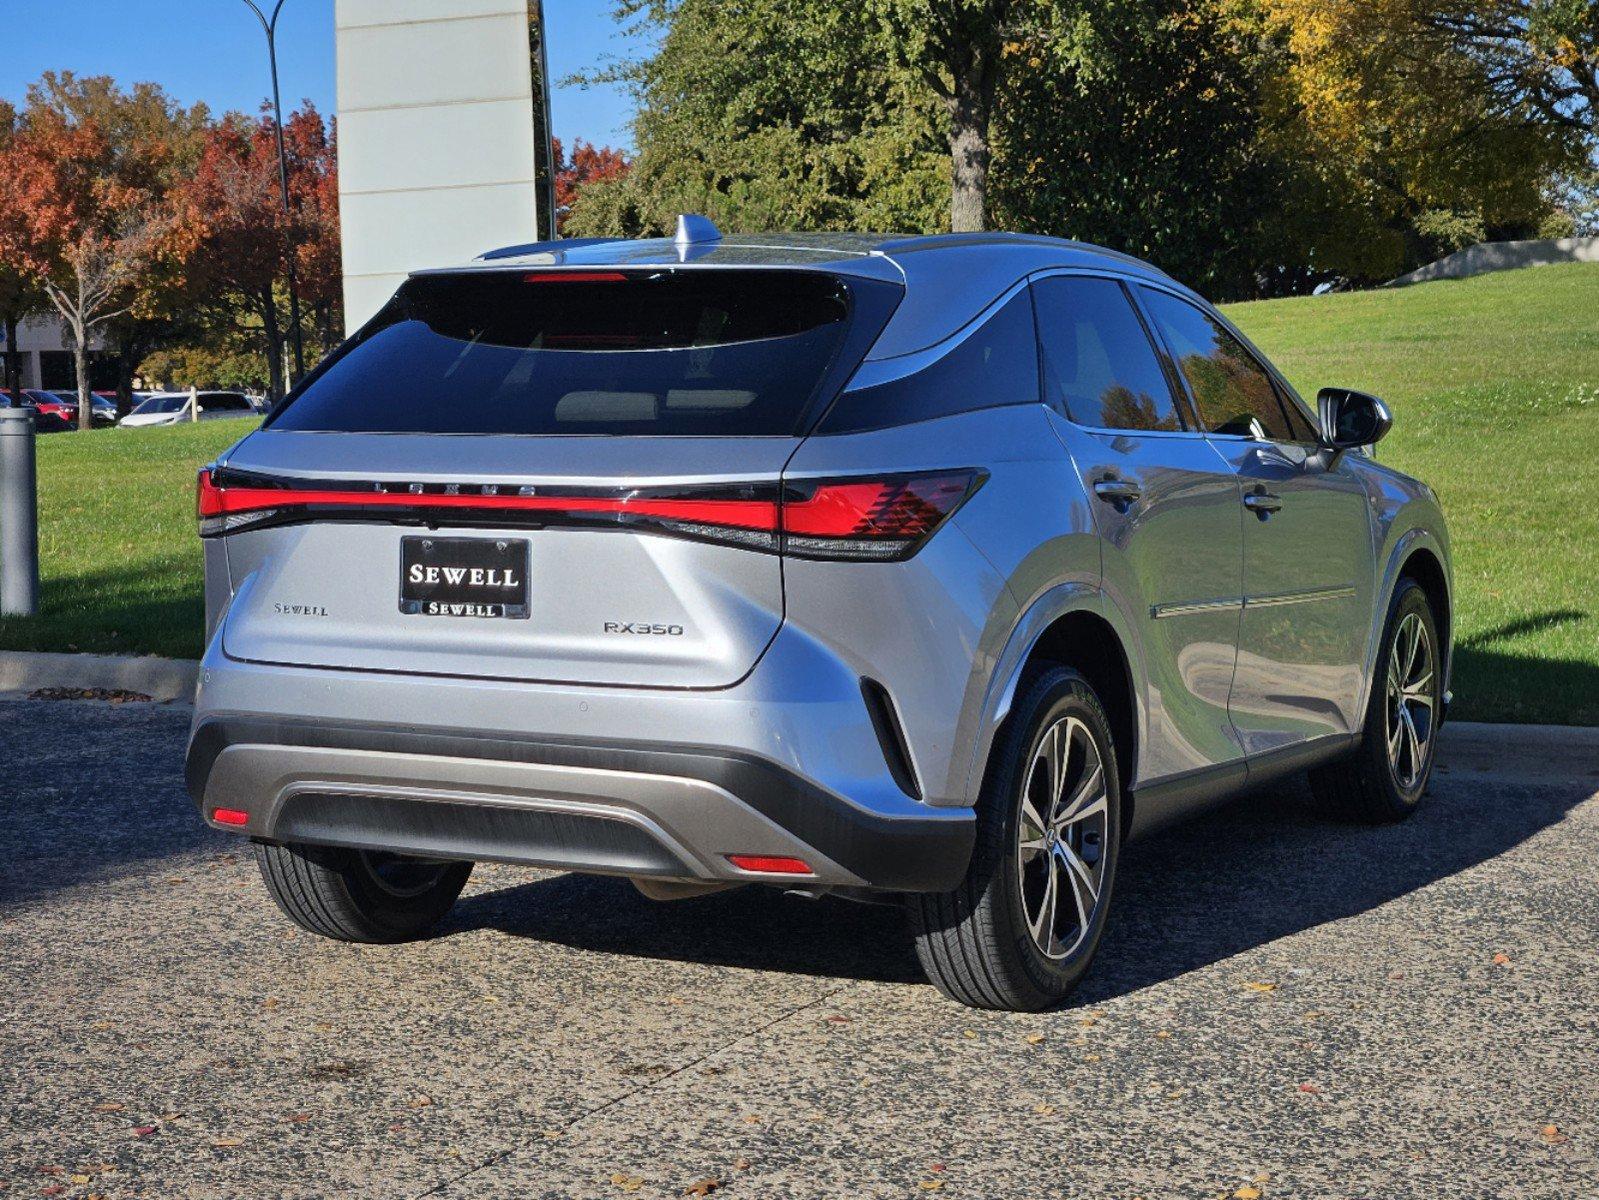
<point>933,566</point>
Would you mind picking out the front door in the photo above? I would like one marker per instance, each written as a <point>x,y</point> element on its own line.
<point>1307,576</point>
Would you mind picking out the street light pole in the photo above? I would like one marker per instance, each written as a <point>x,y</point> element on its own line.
<point>269,26</point>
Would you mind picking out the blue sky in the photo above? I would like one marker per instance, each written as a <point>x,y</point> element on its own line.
<point>212,50</point>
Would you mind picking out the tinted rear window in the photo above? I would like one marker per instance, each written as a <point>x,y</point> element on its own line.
<point>690,353</point>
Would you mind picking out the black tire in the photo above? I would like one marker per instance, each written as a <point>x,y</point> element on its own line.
<point>359,896</point>
<point>1372,785</point>
<point>977,943</point>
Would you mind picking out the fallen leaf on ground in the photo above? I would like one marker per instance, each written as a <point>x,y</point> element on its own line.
<point>109,1106</point>
<point>79,1179</point>
<point>1247,1193</point>
<point>1033,1039</point>
<point>143,1130</point>
<point>838,1020</point>
<point>422,1102</point>
<point>227,1143</point>
<point>298,1118</point>
<point>1552,1135</point>
<point>932,1185</point>
<point>752,1119</point>
<point>1092,1057</point>
<point>1501,960</point>
<point>1257,985</point>
<point>936,1168</point>
<point>702,1187</point>
<point>1044,1110</point>
<point>270,1002</point>
<point>741,1164</point>
<point>1163,1033</point>
<point>1311,1088</point>
<point>971,1033</point>
<point>628,1183</point>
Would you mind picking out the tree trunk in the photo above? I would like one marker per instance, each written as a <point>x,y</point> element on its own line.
<point>128,358</point>
<point>80,364</point>
<point>13,381</point>
<point>274,349</point>
<point>970,108</point>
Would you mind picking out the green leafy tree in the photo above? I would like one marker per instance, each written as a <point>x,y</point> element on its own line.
<point>779,114</point>
<point>1135,124</point>
<point>959,51</point>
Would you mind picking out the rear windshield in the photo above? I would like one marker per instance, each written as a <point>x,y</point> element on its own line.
<point>684,353</point>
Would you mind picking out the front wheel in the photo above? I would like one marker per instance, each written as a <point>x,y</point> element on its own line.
<point>360,895</point>
<point>1385,779</point>
<point>1022,928</point>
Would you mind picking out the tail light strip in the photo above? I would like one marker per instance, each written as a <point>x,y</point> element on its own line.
<point>874,518</point>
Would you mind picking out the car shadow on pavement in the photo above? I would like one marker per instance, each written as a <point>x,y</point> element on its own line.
<point>1255,871</point>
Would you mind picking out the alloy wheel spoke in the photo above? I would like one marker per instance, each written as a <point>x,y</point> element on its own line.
<point>1078,886</point>
<point>1078,868</point>
<point>1412,744</point>
<point>1089,791</point>
<point>1033,827</point>
<point>1043,925</point>
<point>1092,809</point>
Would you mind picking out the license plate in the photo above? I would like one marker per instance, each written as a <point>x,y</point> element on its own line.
<point>463,577</point>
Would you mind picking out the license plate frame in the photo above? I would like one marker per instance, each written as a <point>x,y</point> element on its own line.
<point>492,584</point>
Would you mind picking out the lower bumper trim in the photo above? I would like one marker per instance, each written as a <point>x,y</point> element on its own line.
<point>924,850</point>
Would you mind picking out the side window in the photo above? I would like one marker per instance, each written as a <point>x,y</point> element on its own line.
<point>996,365</point>
<point>1231,389</point>
<point>1099,365</point>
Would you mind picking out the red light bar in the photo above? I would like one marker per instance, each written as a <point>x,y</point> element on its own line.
<point>230,816</point>
<point>575,277</point>
<point>767,864</point>
<point>882,519</point>
<point>739,514</point>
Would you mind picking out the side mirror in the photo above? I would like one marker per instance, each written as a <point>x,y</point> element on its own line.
<point>1349,419</point>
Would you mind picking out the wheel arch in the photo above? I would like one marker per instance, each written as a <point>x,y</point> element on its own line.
<point>1419,554</point>
<point>1072,626</point>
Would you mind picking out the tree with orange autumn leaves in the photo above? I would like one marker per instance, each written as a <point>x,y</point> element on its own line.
<point>81,216</point>
<point>232,210</point>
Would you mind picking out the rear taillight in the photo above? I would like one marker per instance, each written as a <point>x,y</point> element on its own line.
<point>871,518</point>
<point>880,518</point>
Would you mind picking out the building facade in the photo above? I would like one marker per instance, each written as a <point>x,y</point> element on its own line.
<point>439,143</point>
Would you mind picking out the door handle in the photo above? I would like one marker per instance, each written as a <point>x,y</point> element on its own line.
<point>1262,503</point>
<point>1120,492</point>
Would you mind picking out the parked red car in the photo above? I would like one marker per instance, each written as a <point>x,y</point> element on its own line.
<point>49,402</point>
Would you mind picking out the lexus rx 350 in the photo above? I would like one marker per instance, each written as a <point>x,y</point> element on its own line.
<point>935,567</point>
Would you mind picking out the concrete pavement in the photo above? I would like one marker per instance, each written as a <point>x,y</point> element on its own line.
<point>1283,1006</point>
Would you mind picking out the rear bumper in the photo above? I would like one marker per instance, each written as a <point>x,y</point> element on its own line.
<point>603,806</point>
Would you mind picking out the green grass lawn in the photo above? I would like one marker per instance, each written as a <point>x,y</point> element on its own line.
<point>1494,384</point>
<point>119,559</point>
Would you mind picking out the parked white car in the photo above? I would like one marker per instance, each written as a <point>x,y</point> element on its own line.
<point>172,408</point>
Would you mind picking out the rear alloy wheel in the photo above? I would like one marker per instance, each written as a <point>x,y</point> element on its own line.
<point>1385,779</point>
<point>360,895</point>
<point>1022,928</point>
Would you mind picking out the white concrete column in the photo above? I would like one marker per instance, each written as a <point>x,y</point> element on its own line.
<point>436,146</point>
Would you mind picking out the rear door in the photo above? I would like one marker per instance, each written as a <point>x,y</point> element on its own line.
<point>1167,508</point>
<point>1308,574</point>
<point>537,477</point>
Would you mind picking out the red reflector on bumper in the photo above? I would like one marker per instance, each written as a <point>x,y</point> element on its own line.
<point>769,865</point>
<point>230,816</point>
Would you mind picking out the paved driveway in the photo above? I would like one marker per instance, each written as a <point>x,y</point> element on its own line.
<point>1282,1006</point>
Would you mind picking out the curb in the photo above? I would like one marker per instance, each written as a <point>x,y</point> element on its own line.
<point>158,678</point>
